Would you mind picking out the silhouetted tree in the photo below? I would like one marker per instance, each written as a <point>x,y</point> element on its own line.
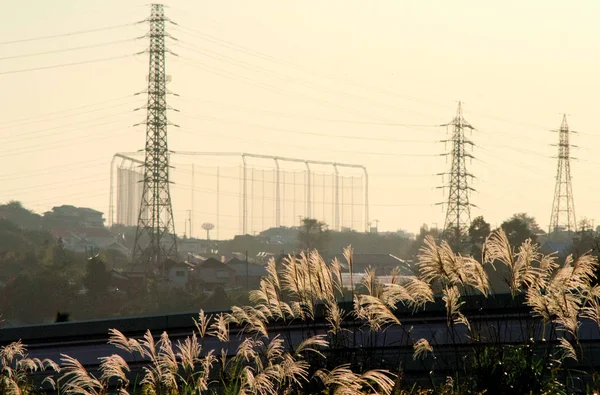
<point>313,234</point>
<point>97,277</point>
<point>517,231</point>
<point>478,232</point>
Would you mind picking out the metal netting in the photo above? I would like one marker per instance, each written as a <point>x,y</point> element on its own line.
<point>248,198</point>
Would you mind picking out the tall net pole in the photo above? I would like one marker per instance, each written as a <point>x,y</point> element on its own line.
<point>563,206</point>
<point>458,212</point>
<point>155,239</point>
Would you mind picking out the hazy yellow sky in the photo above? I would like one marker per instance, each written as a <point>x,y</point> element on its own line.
<point>252,74</point>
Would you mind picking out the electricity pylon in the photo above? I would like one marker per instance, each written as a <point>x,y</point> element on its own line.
<point>563,206</point>
<point>155,239</point>
<point>458,206</point>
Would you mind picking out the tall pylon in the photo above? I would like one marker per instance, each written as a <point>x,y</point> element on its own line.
<point>458,206</point>
<point>563,206</point>
<point>155,239</point>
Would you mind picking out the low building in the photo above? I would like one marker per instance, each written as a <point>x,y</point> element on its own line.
<point>247,275</point>
<point>212,273</point>
<point>179,274</point>
<point>74,217</point>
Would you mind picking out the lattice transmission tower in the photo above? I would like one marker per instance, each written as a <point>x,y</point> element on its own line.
<point>155,239</point>
<point>563,206</point>
<point>458,206</point>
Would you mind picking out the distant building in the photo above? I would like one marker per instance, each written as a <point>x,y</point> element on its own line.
<point>247,275</point>
<point>212,272</point>
<point>74,217</point>
<point>179,273</point>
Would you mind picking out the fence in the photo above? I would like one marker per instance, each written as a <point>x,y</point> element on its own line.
<point>243,193</point>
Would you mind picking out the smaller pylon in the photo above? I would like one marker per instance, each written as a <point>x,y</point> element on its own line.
<point>563,206</point>
<point>458,205</point>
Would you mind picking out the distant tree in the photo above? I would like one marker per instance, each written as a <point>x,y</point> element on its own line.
<point>424,231</point>
<point>20,216</point>
<point>313,235</point>
<point>529,221</point>
<point>478,232</point>
<point>97,277</point>
<point>517,231</point>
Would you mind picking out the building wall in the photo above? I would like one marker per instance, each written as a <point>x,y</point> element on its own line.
<point>178,276</point>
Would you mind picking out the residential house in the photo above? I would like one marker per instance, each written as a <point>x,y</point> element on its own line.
<point>212,273</point>
<point>74,217</point>
<point>247,275</point>
<point>179,274</point>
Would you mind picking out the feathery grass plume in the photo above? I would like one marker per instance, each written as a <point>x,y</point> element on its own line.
<point>119,340</point>
<point>591,309</point>
<point>324,284</point>
<point>336,269</point>
<point>581,272</point>
<point>188,352</point>
<point>421,348</point>
<point>114,366</point>
<point>540,303</point>
<point>370,282</point>
<point>294,371</point>
<point>451,296</point>
<point>253,320</point>
<point>207,364</point>
<point>419,290</point>
<point>343,381</point>
<point>334,316</point>
<point>374,311</point>
<point>202,323</point>
<point>567,349</point>
<point>16,366</point>
<point>274,349</point>
<point>220,328</point>
<point>522,272</point>
<point>382,379</point>
<point>77,379</point>
<point>440,263</point>
<point>247,350</point>
<point>395,293</point>
<point>476,275</point>
<point>349,257</point>
<point>292,277</point>
<point>312,344</point>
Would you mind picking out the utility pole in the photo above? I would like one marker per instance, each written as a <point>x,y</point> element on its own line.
<point>458,214</point>
<point>563,206</point>
<point>155,239</point>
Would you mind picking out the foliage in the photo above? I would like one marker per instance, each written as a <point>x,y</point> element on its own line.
<point>483,358</point>
<point>313,234</point>
<point>517,231</point>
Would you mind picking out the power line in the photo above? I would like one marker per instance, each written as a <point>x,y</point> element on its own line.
<point>68,34</point>
<point>63,111</point>
<point>302,116</point>
<point>66,64</point>
<point>389,139</point>
<point>68,49</point>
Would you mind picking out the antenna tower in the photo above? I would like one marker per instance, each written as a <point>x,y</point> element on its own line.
<point>458,214</point>
<point>563,206</point>
<point>155,239</point>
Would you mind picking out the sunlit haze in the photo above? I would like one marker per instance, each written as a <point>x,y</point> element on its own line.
<point>360,82</point>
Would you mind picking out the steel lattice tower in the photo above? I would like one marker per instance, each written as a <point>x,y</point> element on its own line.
<point>155,239</point>
<point>458,214</point>
<point>563,206</point>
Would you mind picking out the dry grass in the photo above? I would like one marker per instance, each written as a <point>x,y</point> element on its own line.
<point>265,364</point>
